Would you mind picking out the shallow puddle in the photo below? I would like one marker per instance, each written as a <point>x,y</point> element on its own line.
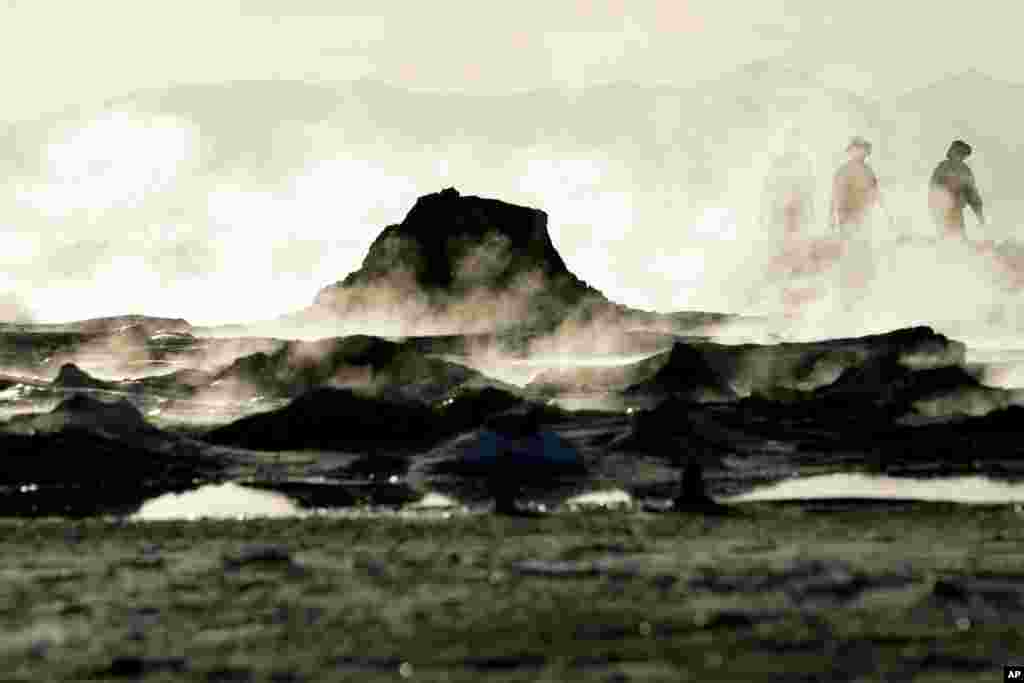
<point>218,501</point>
<point>239,501</point>
<point>968,490</point>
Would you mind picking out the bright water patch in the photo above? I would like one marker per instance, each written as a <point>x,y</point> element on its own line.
<point>434,500</point>
<point>613,498</point>
<point>235,501</point>
<point>970,490</point>
<point>218,501</point>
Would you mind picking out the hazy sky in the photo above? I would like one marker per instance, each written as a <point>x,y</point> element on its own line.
<point>59,52</point>
<point>243,201</point>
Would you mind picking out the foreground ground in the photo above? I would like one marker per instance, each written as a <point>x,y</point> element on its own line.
<point>777,592</point>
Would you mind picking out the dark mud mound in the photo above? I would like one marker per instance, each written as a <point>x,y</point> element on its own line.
<point>89,457</point>
<point>892,370</point>
<point>514,456</point>
<point>321,495</point>
<point>441,229</point>
<point>335,420</point>
<point>835,431</point>
<point>71,376</point>
<point>679,429</point>
<point>349,362</point>
<point>900,403</point>
<point>84,412</point>
<point>470,407</point>
<point>988,444</point>
<point>707,372</point>
<point>467,257</point>
<point>686,373</point>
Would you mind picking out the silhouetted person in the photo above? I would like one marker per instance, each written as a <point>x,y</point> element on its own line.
<point>855,194</point>
<point>854,188</point>
<point>951,188</point>
<point>504,490</point>
<point>692,495</point>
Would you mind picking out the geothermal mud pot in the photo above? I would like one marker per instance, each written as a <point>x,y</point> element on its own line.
<point>509,478</point>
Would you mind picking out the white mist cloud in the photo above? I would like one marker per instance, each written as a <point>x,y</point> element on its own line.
<point>129,213</point>
<point>118,159</point>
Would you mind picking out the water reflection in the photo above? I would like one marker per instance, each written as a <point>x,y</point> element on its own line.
<point>613,498</point>
<point>234,501</point>
<point>434,500</point>
<point>975,489</point>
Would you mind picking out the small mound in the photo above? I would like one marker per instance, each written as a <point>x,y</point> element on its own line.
<point>523,420</point>
<point>84,412</point>
<point>71,376</point>
<point>334,419</point>
<point>469,408</point>
<point>512,444</point>
<point>686,374</point>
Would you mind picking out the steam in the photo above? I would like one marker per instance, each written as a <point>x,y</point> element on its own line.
<point>117,159</point>
<point>132,211</point>
<point>12,309</point>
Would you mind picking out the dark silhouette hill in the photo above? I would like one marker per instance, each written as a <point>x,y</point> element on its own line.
<point>356,420</point>
<point>464,259</point>
<point>83,412</point>
<point>333,419</point>
<point>471,265</point>
<point>896,369</point>
<point>70,376</point>
<point>901,401</point>
<point>89,456</point>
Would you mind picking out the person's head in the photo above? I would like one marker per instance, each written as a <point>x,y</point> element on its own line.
<point>958,151</point>
<point>859,148</point>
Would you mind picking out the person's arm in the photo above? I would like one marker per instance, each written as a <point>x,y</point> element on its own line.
<point>972,196</point>
<point>876,193</point>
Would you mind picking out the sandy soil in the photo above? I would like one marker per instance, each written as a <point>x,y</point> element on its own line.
<point>776,592</point>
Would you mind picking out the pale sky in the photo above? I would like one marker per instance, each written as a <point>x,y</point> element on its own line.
<point>55,53</point>
<point>241,202</point>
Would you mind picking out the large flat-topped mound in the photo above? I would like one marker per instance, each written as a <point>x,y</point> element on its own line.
<point>463,256</point>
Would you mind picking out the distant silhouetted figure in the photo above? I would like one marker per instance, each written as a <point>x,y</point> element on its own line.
<point>854,188</point>
<point>855,194</point>
<point>692,495</point>
<point>952,188</point>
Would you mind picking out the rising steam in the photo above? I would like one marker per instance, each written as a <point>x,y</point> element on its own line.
<point>131,211</point>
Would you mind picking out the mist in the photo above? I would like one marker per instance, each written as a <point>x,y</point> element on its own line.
<point>655,196</point>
